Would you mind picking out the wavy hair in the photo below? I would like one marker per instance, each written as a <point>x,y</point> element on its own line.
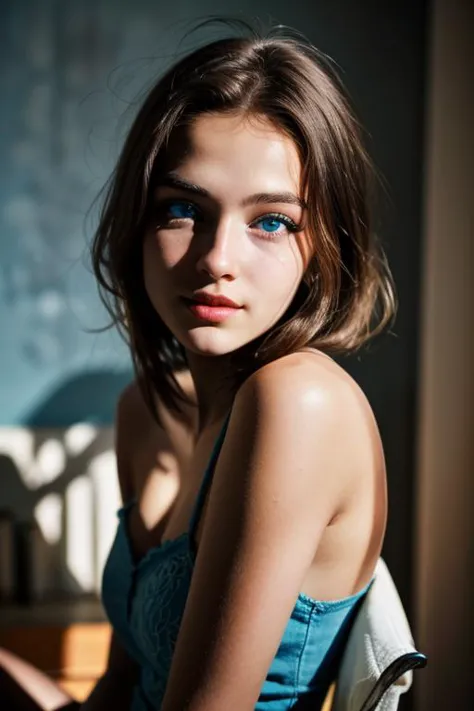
<point>346,295</point>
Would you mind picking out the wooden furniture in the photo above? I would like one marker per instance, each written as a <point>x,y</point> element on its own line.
<point>69,641</point>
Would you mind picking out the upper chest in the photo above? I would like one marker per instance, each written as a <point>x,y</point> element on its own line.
<point>168,473</point>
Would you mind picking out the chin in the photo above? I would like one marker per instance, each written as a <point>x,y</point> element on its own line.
<point>212,342</point>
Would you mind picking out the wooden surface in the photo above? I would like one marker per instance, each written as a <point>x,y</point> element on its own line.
<point>75,656</point>
<point>52,613</point>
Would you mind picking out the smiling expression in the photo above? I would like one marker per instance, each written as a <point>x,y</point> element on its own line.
<point>228,221</point>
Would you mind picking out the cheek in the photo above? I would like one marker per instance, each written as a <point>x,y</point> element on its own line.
<point>279,271</point>
<point>164,250</point>
<point>157,266</point>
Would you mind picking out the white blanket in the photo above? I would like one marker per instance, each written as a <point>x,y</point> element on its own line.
<point>380,636</point>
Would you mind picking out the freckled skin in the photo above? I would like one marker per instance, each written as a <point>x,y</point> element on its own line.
<point>231,158</point>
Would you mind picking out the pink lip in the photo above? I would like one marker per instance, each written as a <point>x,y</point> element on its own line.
<point>203,297</point>
<point>216,314</point>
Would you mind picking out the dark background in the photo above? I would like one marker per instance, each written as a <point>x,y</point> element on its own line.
<point>102,50</point>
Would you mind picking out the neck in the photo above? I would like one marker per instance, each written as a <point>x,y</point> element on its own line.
<point>213,387</point>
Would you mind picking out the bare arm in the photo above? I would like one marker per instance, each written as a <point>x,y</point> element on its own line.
<point>278,482</point>
<point>23,686</point>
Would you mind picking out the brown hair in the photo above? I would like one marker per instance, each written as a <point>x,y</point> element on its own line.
<point>346,295</point>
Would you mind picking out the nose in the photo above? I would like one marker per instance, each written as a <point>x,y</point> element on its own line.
<point>219,253</point>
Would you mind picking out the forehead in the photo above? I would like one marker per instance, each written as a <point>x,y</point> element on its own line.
<point>231,148</point>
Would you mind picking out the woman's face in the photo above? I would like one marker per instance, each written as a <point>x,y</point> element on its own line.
<point>227,221</point>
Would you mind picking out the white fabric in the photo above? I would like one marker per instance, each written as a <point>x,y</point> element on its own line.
<point>380,635</point>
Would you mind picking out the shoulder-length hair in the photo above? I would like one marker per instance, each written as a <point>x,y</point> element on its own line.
<point>346,295</point>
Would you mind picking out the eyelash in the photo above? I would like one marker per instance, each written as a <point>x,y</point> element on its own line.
<point>290,225</point>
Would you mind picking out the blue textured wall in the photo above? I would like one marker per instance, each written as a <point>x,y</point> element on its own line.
<point>72,76</point>
<point>57,145</point>
<point>70,73</point>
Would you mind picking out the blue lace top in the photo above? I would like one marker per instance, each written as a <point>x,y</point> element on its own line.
<point>145,603</point>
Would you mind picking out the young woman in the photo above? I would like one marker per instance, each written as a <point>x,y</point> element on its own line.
<point>236,246</point>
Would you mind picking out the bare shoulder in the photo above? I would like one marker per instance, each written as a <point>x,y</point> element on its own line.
<point>138,439</point>
<point>130,418</point>
<point>146,448</point>
<point>131,407</point>
<point>308,381</point>
<point>309,405</point>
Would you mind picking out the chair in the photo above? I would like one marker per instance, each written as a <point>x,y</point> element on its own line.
<point>380,655</point>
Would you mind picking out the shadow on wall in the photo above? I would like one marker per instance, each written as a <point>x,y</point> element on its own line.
<point>87,397</point>
<point>59,486</point>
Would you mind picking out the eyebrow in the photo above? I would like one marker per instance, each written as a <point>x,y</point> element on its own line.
<point>172,180</point>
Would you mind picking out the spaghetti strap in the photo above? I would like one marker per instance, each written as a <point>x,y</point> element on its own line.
<point>207,478</point>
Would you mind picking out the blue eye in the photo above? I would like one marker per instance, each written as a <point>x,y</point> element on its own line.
<point>270,224</point>
<point>181,210</point>
<point>276,224</point>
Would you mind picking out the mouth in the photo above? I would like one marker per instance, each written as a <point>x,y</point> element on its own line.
<point>207,312</point>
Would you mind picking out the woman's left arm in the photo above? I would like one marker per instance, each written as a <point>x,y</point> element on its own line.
<point>277,484</point>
